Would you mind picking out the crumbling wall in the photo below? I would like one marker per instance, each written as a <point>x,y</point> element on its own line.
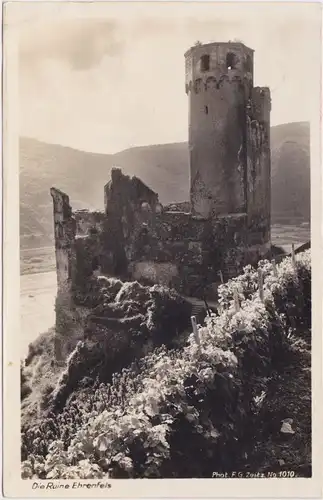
<point>164,246</point>
<point>77,245</point>
<point>138,239</point>
<point>187,252</point>
<point>88,221</point>
<point>104,241</point>
<point>88,259</point>
<point>64,230</point>
<point>89,252</point>
<point>259,167</point>
<point>128,204</point>
<point>124,195</point>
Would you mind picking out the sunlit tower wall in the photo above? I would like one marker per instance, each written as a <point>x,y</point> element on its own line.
<point>219,83</point>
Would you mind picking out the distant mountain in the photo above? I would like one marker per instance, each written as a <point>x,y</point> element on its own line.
<point>291,185</point>
<point>163,167</point>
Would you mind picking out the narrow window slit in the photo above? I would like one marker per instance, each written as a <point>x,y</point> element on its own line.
<point>205,62</point>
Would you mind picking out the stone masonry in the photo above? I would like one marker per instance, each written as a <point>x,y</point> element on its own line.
<point>227,224</point>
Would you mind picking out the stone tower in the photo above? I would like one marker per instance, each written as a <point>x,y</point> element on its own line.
<point>219,84</point>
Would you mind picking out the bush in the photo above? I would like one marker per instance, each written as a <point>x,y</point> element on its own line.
<point>168,315</point>
<point>25,388</point>
<point>133,290</point>
<point>140,319</point>
<point>180,413</point>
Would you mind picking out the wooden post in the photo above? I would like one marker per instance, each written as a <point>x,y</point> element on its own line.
<point>274,268</point>
<point>236,300</point>
<point>195,330</point>
<point>206,306</point>
<point>261,284</point>
<point>290,313</point>
<point>293,255</point>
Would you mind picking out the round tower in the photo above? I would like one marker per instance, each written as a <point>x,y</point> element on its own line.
<point>219,81</point>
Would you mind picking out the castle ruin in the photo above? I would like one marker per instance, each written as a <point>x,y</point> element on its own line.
<point>227,224</point>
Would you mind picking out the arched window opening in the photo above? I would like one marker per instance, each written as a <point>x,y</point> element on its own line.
<point>231,60</point>
<point>205,62</point>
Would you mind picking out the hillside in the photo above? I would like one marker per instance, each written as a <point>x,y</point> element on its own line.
<point>291,187</point>
<point>163,167</point>
<point>139,397</point>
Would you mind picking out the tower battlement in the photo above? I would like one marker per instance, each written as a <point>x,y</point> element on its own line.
<point>220,61</point>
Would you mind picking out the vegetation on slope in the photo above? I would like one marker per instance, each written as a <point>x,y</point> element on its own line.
<point>126,320</point>
<point>39,374</point>
<point>187,412</point>
<point>287,399</point>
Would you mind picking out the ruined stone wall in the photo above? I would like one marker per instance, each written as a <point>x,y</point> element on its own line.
<point>137,239</point>
<point>128,204</point>
<point>186,252</point>
<point>79,251</point>
<point>64,231</point>
<point>164,245</point>
<point>123,193</point>
<point>89,251</point>
<point>88,221</point>
<point>259,166</point>
<point>104,242</point>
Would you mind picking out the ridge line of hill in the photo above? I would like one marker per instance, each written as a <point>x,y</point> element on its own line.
<point>163,167</point>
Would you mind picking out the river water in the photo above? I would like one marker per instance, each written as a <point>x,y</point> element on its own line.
<point>37,302</point>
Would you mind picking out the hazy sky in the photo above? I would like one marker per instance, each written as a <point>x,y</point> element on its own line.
<point>105,77</point>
